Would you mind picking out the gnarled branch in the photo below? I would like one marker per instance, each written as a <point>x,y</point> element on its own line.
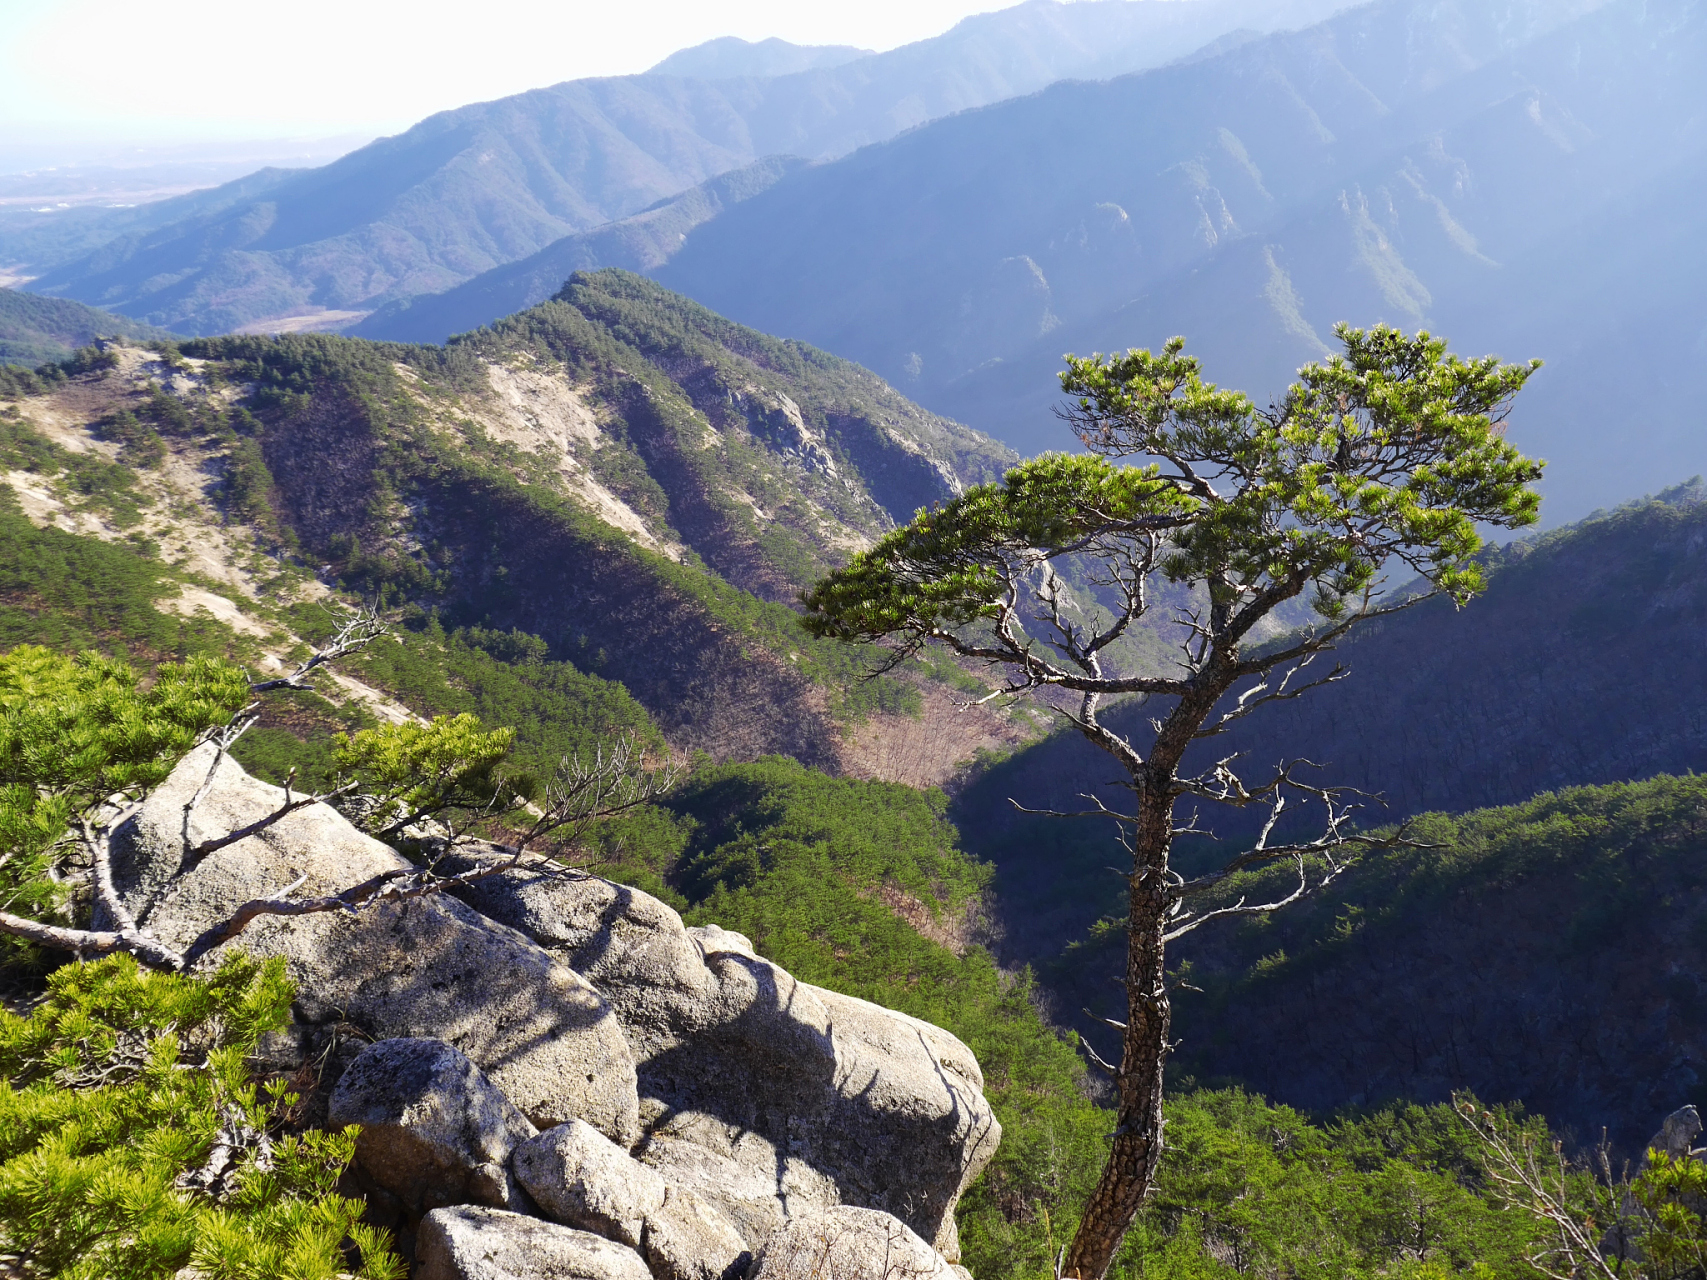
<point>360,629</point>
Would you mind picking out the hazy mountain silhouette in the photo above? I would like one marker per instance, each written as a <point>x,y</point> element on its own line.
<point>641,243</point>
<point>729,57</point>
<point>1521,176</point>
<point>487,184</point>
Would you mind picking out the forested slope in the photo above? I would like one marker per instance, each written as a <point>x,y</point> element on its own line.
<point>619,473</point>
<point>1553,951</point>
<point>35,330</point>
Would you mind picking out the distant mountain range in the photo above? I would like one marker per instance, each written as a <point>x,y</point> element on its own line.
<point>1520,175</point>
<point>487,184</point>
<point>642,242</point>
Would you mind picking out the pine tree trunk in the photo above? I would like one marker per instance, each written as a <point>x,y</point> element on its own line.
<point>1137,1144</point>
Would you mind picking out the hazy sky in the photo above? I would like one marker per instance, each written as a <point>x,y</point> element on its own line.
<point>303,67</point>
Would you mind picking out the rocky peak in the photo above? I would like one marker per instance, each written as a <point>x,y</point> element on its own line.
<point>555,1064</point>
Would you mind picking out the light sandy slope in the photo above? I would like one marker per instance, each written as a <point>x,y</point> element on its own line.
<point>238,581</point>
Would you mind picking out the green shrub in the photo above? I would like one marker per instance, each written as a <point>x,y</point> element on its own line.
<point>117,1093</point>
<point>139,445</point>
<point>74,730</point>
<point>83,480</point>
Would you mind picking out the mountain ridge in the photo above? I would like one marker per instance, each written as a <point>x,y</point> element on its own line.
<point>1261,195</point>
<point>470,189</point>
<point>639,243</point>
<point>619,478</point>
<point>730,57</point>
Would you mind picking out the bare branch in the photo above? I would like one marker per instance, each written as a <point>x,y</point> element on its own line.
<point>1259,695</point>
<point>612,783</point>
<point>361,628</point>
<point>100,857</point>
<point>1525,1178</point>
<point>1107,1022</point>
<point>1186,924</point>
<point>222,738</point>
<point>1097,1060</point>
<point>1100,811</point>
<point>289,807</point>
<point>397,885</point>
<point>91,942</point>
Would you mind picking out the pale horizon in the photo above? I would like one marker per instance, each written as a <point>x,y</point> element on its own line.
<point>217,74</point>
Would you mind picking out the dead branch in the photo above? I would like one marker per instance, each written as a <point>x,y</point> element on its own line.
<point>1526,1179</point>
<point>612,783</point>
<point>223,738</point>
<point>360,629</point>
<point>289,807</point>
<point>1107,1022</point>
<point>100,857</point>
<point>1100,811</point>
<point>397,885</point>
<point>1187,923</point>
<point>1097,1060</point>
<point>90,942</point>
<point>1260,695</point>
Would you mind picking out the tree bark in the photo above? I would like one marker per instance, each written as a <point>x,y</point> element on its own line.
<point>1137,1146</point>
<point>1137,1141</point>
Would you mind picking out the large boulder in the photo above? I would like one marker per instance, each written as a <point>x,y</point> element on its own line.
<point>471,1243</point>
<point>581,1179</point>
<point>768,1096</point>
<point>1677,1135</point>
<point>426,966</point>
<point>434,1130</point>
<point>846,1243</point>
<point>756,1200</point>
<point>688,1239</point>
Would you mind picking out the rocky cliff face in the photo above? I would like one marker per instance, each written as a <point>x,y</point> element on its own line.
<point>555,1046</point>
